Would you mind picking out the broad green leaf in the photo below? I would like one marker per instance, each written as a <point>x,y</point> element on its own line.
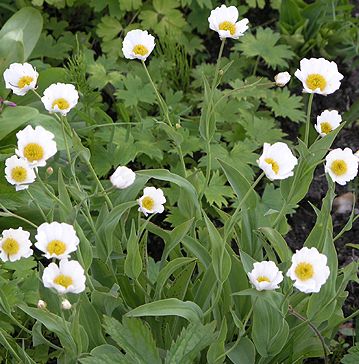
<point>191,341</point>
<point>352,357</point>
<point>243,353</point>
<point>14,117</point>
<point>134,337</point>
<point>215,353</point>
<point>169,307</point>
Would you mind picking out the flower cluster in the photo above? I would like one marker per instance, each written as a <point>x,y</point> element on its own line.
<point>309,271</point>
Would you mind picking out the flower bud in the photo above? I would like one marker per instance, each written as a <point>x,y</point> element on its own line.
<point>41,304</point>
<point>178,125</point>
<point>49,171</point>
<point>282,78</point>
<point>66,305</point>
<point>9,103</point>
<point>123,177</point>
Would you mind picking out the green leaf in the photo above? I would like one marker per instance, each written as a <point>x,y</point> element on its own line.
<point>169,307</point>
<point>264,44</point>
<point>217,191</point>
<point>352,357</point>
<point>26,26</point>
<point>13,117</point>
<point>191,341</point>
<point>285,105</point>
<point>243,353</point>
<point>134,337</point>
<point>133,261</point>
<point>106,354</point>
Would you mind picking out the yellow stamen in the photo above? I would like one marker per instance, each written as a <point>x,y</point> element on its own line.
<point>315,81</point>
<point>339,167</point>
<point>140,49</point>
<point>10,246</point>
<point>64,281</point>
<point>148,203</point>
<point>227,25</point>
<point>325,127</point>
<point>263,279</point>
<point>19,174</point>
<point>61,103</point>
<point>33,152</point>
<point>304,271</point>
<point>56,247</point>
<point>24,81</point>
<point>274,164</point>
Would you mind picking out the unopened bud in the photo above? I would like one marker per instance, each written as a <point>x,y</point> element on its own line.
<point>9,103</point>
<point>221,72</point>
<point>41,304</point>
<point>66,305</point>
<point>178,126</point>
<point>49,171</point>
<point>282,78</point>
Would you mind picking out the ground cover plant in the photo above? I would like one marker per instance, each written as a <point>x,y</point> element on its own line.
<point>158,161</point>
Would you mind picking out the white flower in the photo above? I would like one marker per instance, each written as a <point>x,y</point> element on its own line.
<point>66,305</point>
<point>56,240</point>
<point>277,161</point>
<point>41,304</point>
<point>223,20</point>
<point>20,78</point>
<point>309,270</point>
<point>15,244</point>
<point>69,276</point>
<point>138,44</point>
<point>36,146</point>
<point>123,177</point>
<point>19,173</point>
<point>327,121</point>
<point>152,201</point>
<point>265,276</point>
<point>282,78</point>
<point>60,97</point>
<point>342,165</point>
<point>319,76</point>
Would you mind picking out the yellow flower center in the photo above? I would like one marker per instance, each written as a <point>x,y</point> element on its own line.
<point>325,127</point>
<point>10,246</point>
<point>64,281</point>
<point>24,81</point>
<point>227,25</point>
<point>56,247</point>
<point>33,152</point>
<point>263,279</point>
<point>61,103</point>
<point>140,50</point>
<point>339,167</point>
<point>18,174</point>
<point>148,203</point>
<point>274,164</point>
<point>315,80</point>
<point>304,271</point>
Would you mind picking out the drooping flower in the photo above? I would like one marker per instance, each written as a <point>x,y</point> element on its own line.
<point>152,201</point>
<point>19,173</point>
<point>36,146</point>
<point>277,161</point>
<point>319,76</point>
<point>60,97</point>
<point>123,177</point>
<point>20,78</point>
<point>341,165</point>
<point>265,276</point>
<point>138,44</point>
<point>309,270</point>
<point>15,244</point>
<point>282,78</point>
<point>327,121</point>
<point>66,277</point>
<point>223,20</point>
<point>56,240</point>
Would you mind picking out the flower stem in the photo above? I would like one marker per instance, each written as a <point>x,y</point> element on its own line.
<point>307,125</point>
<point>62,122</point>
<point>11,214</point>
<point>37,205</point>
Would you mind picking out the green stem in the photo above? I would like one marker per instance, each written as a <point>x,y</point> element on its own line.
<point>233,219</point>
<point>307,125</point>
<point>37,205</point>
<point>16,216</point>
<point>62,121</point>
